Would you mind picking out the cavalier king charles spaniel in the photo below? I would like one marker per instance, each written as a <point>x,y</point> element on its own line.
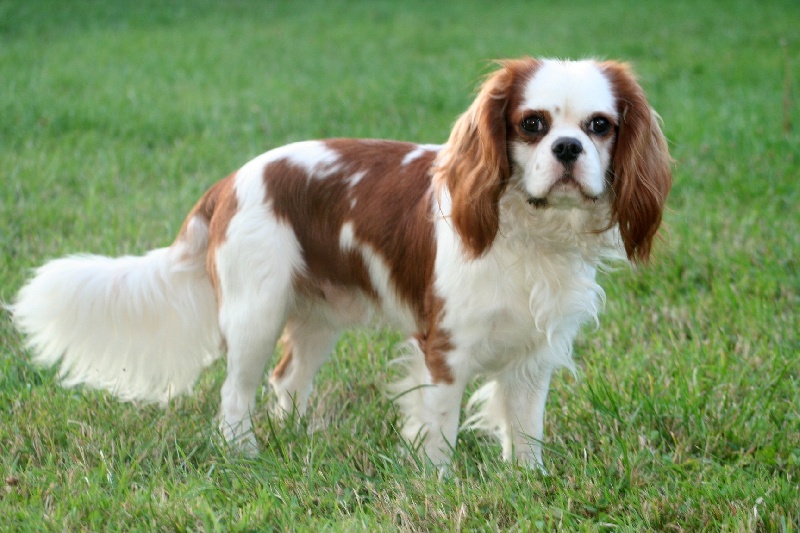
<point>483,251</point>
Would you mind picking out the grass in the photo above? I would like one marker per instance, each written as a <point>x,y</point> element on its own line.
<point>115,117</point>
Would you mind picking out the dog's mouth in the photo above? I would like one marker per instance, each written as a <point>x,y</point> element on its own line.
<point>566,191</point>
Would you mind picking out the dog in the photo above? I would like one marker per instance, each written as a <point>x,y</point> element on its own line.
<point>483,251</point>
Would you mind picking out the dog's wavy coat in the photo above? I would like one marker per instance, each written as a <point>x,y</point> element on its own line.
<point>483,250</point>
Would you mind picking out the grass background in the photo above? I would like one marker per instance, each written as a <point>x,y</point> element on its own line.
<point>115,116</point>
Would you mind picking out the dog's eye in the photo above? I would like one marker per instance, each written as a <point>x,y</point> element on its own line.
<point>600,125</point>
<point>534,124</point>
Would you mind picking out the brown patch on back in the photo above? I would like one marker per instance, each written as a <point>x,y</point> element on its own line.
<point>390,208</point>
<point>316,209</point>
<point>394,213</point>
<point>391,213</point>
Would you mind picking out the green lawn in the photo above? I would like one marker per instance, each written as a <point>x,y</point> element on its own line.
<point>114,118</point>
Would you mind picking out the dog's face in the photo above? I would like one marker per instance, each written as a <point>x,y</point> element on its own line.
<point>562,134</point>
<point>566,134</point>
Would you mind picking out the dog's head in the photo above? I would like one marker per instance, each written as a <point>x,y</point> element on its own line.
<point>568,135</point>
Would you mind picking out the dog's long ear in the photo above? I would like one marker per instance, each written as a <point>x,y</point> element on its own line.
<point>474,164</point>
<point>641,173</point>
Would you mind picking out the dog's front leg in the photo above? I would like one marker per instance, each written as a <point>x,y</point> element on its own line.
<point>524,417</point>
<point>512,406</point>
<point>430,407</point>
<point>442,403</point>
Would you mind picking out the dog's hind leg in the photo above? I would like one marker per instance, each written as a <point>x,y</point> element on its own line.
<point>250,341</point>
<point>308,343</point>
<point>255,268</point>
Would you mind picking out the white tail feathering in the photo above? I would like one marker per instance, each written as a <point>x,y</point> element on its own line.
<point>141,327</point>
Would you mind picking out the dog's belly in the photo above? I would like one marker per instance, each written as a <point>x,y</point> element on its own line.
<point>349,307</point>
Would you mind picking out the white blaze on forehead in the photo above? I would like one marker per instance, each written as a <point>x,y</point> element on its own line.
<point>570,90</point>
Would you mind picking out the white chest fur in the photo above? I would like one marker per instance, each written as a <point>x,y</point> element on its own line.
<point>528,295</point>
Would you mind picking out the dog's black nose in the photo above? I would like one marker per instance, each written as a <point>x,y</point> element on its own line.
<point>567,149</point>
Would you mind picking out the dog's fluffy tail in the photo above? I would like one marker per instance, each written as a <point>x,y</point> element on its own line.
<point>141,327</point>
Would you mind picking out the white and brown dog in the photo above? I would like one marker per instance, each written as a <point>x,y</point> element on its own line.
<point>483,251</point>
